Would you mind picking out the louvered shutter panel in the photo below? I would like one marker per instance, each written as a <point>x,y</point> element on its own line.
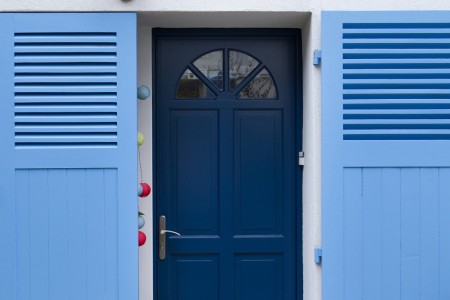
<point>386,155</point>
<point>68,207</point>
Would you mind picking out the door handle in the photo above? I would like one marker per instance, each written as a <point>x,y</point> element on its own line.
<point>169,231</point>
<point>162,237</point>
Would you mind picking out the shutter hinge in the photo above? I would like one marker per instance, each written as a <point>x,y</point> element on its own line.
<point>317,57</point>
<point>301,158</point>
<point>318,255</point>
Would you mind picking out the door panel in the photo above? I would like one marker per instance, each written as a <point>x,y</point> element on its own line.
<point>258,277</point>
<point>258,172</point>
<point>189,275</point>
<point>194,146</point>
<point>226,164</point>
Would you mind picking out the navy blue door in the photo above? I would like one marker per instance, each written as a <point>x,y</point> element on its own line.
<point>226,165</point>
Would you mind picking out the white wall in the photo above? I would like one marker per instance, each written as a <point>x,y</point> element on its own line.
<point>304,14</point>
<point>145,126</point>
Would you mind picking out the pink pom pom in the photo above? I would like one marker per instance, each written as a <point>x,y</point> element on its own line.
<point>146,189</point>
<point>142,238</point>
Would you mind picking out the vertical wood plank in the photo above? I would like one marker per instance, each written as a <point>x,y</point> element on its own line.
<point>391,234</point>
<point>77,246</point>
<point>410,218</point>
<point>95,234</point>
<point>444,233</point>
<point>111,238</point>
<point>429,233</point>
<point>353,233</point>
<point>8,223</point>
<point>22,234</point>
<point>39,234</point>
<point>371,196</point>
<point>58,247</point>
<point>332,164</point>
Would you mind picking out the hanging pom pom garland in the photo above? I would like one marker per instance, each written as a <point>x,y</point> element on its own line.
<point>144,188</point>
<point>143,191</point>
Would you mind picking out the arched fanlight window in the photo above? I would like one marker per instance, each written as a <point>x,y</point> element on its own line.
<point>248,78</point>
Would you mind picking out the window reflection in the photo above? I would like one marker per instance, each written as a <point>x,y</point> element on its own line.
<point>240,65</point>
<point>190,87</point>
<point>261,87</point>
<point>211,65</point>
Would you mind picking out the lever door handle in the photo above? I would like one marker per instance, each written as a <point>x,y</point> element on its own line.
<point>164,231</point>
<point>162,237</point>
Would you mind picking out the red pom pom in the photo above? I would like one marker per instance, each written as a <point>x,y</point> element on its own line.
<point>146,189</point>
<point>142,238</point>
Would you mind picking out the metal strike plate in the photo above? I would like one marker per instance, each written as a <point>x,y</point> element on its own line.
<point>162,237</point>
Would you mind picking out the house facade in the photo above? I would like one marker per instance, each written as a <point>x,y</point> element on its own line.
<point>337,171</point>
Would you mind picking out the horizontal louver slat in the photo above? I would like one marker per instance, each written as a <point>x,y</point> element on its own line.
<point>396,81</point>
<point>65,89</point>
<point>65,69</point>
<point>66,98</point>
<point>80,127</point>
<point>64,78</point>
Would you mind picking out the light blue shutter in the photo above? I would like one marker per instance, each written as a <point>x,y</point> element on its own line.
<point>68,207</point>
<point>386,155</point>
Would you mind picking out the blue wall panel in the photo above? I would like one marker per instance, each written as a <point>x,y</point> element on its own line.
<point>62,234</point>
<point>385,162</point>
<point>68,205</point>
<point>393,233</point>
<point>353,236</point>
<point>391,230</point>
<point>429,233</point>
<point>410,233</point>
<point>444,234</point>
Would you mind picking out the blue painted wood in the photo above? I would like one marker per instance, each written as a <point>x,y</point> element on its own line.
<point>444,244</point>
<point>391,233</point>
<point>353,237</point>
<point>95,238</point>
<point>77,243</point>
<point>68,218</point>
<point>429,233</point>
<point>9,223</point>
<point>58,228</point>
<point>206,269</point>
<point>226,173</point>
<point>410,233</point>
<point>39,235</point>
<point>372,235</point>
<point>333,280</point>
<point>197,209</point>
<point>258,166</point>
<point>385,164</point>
<point>259,277</point>
<point>111,238</point>
<point>22,219</point>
